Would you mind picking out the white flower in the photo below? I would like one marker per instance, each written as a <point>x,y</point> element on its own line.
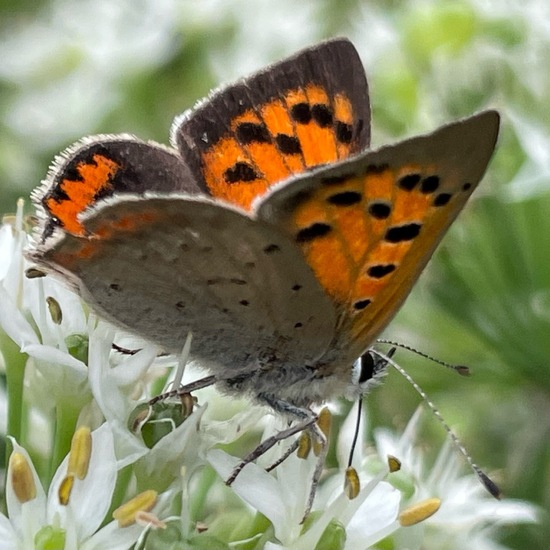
<point>281,496</point>
<point>36,516</point>
<point>468,517</point>
<point>55,373</point>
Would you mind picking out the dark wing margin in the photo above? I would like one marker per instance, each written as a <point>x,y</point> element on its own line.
<point>323,87</point>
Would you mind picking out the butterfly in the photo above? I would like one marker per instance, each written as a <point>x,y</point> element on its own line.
<point>268,229</point>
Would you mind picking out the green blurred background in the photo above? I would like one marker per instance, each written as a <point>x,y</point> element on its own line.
<point>69,68</point>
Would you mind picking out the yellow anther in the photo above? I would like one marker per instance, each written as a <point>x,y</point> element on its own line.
<point>352,485</point>
<point>323,421</point>
<point>127,513</point>
<point>419,512</point>
<point>304,445</point>
<point>55,310</point>
<point>34,273</point>
<point>394,464</point>
<point>187,404</point>
<point>80,453</point>
<point>65,489</point>
<point>21,478</point>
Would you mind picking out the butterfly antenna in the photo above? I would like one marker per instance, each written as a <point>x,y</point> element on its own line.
<point>490,485</point>
<point>356,433</point>
<point>377,367</point>
<point>463,370</point>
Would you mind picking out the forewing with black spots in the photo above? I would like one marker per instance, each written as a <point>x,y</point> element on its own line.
<point>368,226</point>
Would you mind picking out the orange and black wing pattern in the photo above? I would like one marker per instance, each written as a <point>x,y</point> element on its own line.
<point>368,226</point>
<point>101,166</point>
<point>310,109</point>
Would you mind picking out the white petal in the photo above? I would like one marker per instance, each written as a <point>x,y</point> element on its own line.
<point>8,537</point>
<point>256,487</point>
<point>49,354</point>
<point>227,431</point>
<point>128,447</point>
<point>13,322</point>
<point>372,519</point>
<point>113,537</point>
<point>182,445</point>
<point>110,384</point>
<point>28,517</point>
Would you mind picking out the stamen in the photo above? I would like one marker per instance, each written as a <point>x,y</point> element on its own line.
<point>149,520</point>
<point>419,512</point>
<point>324,421</point>
<point>394,464</point>
<point>80,453</point>
<point>79,462</point>
<point>304,445</point>
<point>34,273</point>
<point>127,514</point>
<point>187,404</point>
<point>21,478</point>
<point>55,310</point>
<point>352,485</point>
<point>65,489</point>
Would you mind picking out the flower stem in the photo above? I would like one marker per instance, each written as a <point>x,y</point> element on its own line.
<point>66,417</point>
<point>15,375</point>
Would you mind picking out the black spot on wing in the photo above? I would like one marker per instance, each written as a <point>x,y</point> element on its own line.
<point>361,304</point>
<point>301,113</point>
<point>442,199</point>
<point>271,248</point>
<point>345,198</point>
<point>288,145</point>
<point>322,115</point>
<point>400,233</point>
<point>429,184</point>
<point>252,132</point>
<point>380,270</point>
<point>240,171</point>
<point>380,210</point>
<point>312,232</point>
<point>344,132</point>
<point>408,182</point>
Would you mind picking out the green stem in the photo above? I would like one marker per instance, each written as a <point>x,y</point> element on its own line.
<point>66,417</point>
<point>15,375</point>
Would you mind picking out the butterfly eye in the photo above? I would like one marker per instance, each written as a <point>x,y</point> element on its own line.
<point>366,368</point>
<point>371,365</point>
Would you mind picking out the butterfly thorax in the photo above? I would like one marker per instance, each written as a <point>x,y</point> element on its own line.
<point>298,383</point>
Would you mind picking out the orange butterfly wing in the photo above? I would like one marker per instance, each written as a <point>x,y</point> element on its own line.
<point>307,110</point>
<point>368,226</point>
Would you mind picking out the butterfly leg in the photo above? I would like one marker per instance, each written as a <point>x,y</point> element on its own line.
<point>307,421</point>
<point>285,455</point>
<point>188,388</point>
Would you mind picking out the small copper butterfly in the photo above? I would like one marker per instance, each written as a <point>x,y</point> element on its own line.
<point>268,229</point>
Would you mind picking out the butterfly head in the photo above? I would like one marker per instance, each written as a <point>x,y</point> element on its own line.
<point>367,372</point>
